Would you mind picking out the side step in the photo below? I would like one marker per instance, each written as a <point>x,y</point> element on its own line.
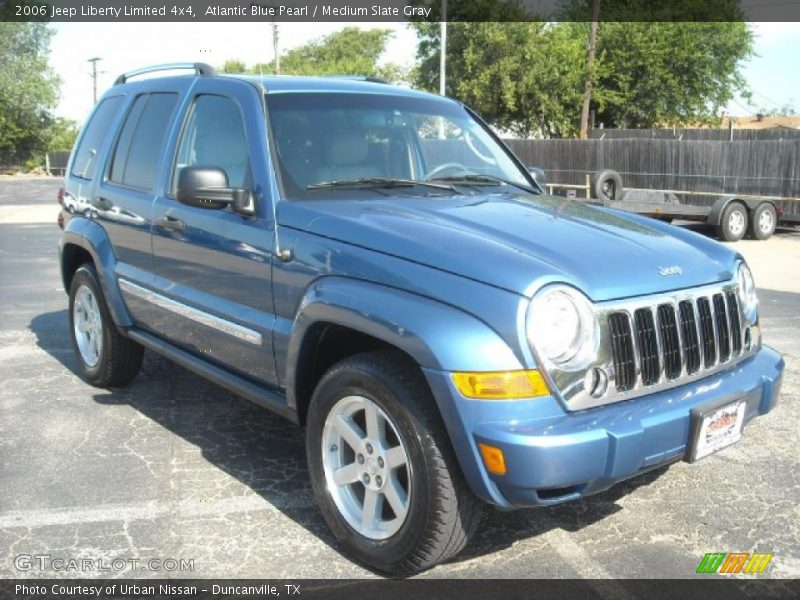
<point>270,398</point>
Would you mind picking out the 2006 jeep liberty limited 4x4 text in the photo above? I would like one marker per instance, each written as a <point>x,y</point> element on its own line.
<point>373,263</point>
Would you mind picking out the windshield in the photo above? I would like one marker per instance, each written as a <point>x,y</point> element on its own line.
<point>329,142</point>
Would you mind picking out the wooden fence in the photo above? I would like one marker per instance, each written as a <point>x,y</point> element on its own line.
<point>765,168</point>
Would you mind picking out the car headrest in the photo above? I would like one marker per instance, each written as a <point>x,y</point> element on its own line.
<point>346,149</point>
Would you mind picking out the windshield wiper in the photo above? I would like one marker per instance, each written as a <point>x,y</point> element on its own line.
<point>475,179</point>
<point>387,182</point>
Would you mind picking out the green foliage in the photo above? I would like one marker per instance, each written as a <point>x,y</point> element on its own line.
<point>522,77</point>
<point>28,91</point>
<point>351,51</point>
<point>661,74</point>
<point>529,77</point>
<point>233,66</point>
<point>62,134</point>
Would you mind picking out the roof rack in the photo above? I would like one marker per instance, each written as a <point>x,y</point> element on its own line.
<point>199,69</point>
<point>368,78</point>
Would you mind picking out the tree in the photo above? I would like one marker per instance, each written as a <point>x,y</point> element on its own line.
<point>28,90</point>
<point>531,77</point>
<point>233,66</point>
<point>526,78</point>
<point>350,51</point>
<point>662,74</point>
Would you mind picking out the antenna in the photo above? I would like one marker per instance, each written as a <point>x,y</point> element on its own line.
<point>282,254</point>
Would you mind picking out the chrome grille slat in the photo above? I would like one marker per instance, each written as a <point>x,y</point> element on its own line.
<point>690,340</point>
<point>708,332</point>
<point>670,344</point>
<point>723,331</point>
<point>645,327</point>
<point>735,323</point>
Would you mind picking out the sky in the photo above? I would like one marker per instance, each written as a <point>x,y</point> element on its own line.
<point>772,74</point>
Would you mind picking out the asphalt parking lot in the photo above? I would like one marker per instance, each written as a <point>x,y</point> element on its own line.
<point>174,467</point>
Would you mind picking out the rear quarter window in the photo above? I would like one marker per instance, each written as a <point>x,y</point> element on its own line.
<point>85,159</point>
<point>135,163</point>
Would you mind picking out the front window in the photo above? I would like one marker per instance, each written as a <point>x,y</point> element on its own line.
<point>327,142</point>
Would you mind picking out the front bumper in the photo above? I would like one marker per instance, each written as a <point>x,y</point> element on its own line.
<point>553,455</point>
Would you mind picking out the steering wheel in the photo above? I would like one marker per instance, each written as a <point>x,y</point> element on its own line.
<point>463,170</point>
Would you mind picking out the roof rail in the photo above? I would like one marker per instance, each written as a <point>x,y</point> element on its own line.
<point>199,69</point>
<point>368,78</point>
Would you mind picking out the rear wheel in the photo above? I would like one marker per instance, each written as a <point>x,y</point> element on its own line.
<point>763,222</point>
<point>733,223</point>
<point>106,358</point>
<point>382,468</point>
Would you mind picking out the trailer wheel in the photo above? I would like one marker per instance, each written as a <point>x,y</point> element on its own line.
<point>733,224</point>
<point>607,185</point>
<point>763,221</point>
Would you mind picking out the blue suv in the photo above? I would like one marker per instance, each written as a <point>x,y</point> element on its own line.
<point>374,264</point>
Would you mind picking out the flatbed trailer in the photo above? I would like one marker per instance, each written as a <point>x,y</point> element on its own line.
<point>733,216</point>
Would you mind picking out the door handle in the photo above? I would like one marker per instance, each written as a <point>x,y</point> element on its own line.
<point>170,222</point>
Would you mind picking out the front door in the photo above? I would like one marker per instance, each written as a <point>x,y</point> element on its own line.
<point>213,266</point>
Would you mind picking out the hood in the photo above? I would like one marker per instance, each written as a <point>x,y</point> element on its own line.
<point>520,242</point>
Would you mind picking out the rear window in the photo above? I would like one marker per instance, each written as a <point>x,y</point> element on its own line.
<point>84,163</point>
<point>139,146</point>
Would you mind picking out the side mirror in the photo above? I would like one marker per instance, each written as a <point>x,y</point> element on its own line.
<point>538,176</point>
<point>207,187</point>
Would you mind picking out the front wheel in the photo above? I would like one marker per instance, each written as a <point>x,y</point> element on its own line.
<point>382,468</point>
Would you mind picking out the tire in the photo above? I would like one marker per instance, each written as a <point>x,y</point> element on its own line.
<point>763,221</point>
<point>71,209</point>
<point>607,185</point>
<point>441,513</point>
<point>115,360</point>
<point>733,222</point>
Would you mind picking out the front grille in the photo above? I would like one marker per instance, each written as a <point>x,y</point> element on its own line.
<point>684,336</point>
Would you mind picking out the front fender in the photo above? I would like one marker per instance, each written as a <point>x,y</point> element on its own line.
<point>436,335</point>
<point>90,236</point>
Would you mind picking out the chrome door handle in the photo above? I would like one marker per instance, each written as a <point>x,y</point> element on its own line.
<point>170,222</point>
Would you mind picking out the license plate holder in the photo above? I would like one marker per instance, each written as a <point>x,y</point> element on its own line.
<point>714,427</point>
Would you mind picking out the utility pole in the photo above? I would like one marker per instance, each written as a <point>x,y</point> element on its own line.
<point>587,94</point>
<point>275,35</point>
<point>443,49</point>
<point>93,75</point>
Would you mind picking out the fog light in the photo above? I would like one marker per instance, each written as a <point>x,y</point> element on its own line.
<point>595,382</point>
<point>501,385</point>
<point>493,459</point>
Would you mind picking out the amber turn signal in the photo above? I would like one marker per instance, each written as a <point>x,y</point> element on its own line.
<point>493,459</point>
<point>501,385</point>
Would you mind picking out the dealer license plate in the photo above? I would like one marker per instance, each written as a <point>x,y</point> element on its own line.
<point>716,428</point>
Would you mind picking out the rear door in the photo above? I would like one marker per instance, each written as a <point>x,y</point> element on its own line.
<point>123,199</point>
<point>213,266</point>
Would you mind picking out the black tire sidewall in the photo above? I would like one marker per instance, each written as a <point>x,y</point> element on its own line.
<point>755,230</point>
<point>598,181</point>
<point>87,276</point>
<point>380,554</point>
<point>726,233</point>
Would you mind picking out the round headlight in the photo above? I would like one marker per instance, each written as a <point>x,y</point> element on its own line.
<point>747,293</point>
<point>562,327</point>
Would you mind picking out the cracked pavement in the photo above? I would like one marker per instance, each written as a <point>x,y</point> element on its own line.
<point>175,467</point>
